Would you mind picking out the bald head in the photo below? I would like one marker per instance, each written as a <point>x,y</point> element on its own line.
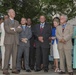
<point>11,13</point>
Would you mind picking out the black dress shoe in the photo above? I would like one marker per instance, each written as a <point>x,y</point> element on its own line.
<point>70,73</point>
<point>37,70</point>
<point>28,70</point>
<point>45,70</point>
<point>32,68</point>
<point>23,68</point>
<point>62,72</point>
<point>18,71</point>
<point>6,72</point>
<point>15,72</point>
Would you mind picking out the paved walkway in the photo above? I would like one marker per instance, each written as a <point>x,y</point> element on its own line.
<point>37,73</point>
<point>50,72</point>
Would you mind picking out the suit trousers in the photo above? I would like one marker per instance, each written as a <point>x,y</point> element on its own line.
<point>3,54</point>
<point>66,54</point>
<point>10,49</point>
<point>32,57</point>
<point>42,53</point>
<point>21,50</point>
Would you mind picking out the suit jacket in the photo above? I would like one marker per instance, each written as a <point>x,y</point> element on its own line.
<point>67,35</point>
<point>2,34</point>
<point>25,34</point>
<point>32,39</point>
<point>11,36</point>
<point>45,34</point>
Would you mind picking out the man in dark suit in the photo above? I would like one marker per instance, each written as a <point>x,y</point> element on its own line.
<point>32,45</point>
<point>42,33</point>
<point>12,29</point>
<point>24,44</point>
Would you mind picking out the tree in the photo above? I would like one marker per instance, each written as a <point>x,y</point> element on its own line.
<point>34,8</point>
<point>53,7</point>
<point>23,8</point>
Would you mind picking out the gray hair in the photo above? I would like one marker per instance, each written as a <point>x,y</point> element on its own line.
<point>66,17</point>
<point>9,10</point>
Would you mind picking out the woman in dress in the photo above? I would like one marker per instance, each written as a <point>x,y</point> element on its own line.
<point>56,22</point>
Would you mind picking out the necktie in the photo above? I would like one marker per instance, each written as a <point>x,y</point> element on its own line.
<point>63,27</point>
<point>23,28</point>
<point>12,21</point>
<point>41,27</point>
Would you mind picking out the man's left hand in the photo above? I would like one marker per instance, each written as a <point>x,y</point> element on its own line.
<point>19,27</point>
<point>24,40</point>
<point>63,41</point>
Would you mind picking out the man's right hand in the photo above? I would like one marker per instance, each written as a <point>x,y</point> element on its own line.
<point>24,40</point>
<point>40,38</point>
<point>62,41</point>
<point>12,29</point>
<point>19,27</point>
<point>53,38</point>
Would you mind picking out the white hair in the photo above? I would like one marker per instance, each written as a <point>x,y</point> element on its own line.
<point>10,10</point>
<point>66,17</point>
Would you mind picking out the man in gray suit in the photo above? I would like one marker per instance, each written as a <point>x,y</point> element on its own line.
<point>24,45</point>
<point>64,34</point>
<point>12,29</point>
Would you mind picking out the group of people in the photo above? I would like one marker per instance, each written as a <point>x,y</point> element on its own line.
<point>27,46</point>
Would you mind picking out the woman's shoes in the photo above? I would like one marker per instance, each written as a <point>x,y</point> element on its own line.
<point>57,70</point>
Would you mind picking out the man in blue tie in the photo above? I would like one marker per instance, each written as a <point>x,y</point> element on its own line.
<point>24,44</point>
<point>11,41</point>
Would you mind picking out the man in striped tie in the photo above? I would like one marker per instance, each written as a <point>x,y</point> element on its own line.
<point>64,35</point>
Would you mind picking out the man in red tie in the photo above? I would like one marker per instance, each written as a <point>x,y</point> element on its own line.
<point>64,34</point>
<point>42,33</point>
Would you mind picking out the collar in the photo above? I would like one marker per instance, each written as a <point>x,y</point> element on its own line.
<point>43,23</point>
<point>23,25</point>
<point>29,26</point>
<point>11,18</point>
<point>54,27</point>
<point>63,25</point>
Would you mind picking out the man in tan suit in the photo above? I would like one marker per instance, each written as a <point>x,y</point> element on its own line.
<point>64,35</point>
<point>11,41</point>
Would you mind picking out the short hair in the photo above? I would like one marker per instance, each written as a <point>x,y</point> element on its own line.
<point>43,15</point>
<point>66,17</point>
<point>29,18</point>
<point>23,18</point>
<point>57,19</point>
<point>9,10</point>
